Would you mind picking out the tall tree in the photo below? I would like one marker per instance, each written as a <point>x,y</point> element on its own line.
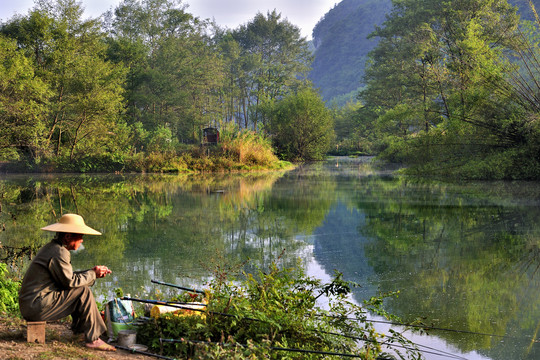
<point>436,69</point>
<point>23,104</point>
<point>68,53</point>
<point>174,68</point>
<point>444,53</point>
<point>275,59</point>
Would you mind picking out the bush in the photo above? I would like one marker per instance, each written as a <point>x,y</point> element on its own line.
<point>9,293</point>
<point>246,147</point>
<point>301,126</point>
<point>250,317</point>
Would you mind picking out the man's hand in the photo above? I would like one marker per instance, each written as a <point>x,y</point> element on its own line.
<point>101,271</point>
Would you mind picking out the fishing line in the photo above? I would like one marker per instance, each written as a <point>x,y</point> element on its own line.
<point>305,351</point>
<point>426,327</point>
<point>169,303</point>
<point>441,353</point>
<point>434,352</point>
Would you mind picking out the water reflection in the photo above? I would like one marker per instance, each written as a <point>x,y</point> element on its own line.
<point>463,256</point>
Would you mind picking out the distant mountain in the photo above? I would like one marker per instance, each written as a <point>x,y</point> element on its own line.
<point>341,44</point>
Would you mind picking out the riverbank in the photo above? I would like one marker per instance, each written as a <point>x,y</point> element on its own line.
<point>60,343</point>
<point>236,152</point>
<point>215,161</point>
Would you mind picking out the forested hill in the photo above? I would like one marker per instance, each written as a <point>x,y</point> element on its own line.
<point>341,44</point>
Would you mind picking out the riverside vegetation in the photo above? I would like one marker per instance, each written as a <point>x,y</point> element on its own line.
<point>270,314</point>
<point>274,314</point>
<point>454,92</point>
<point>132,91</point>
<point>451,90</point>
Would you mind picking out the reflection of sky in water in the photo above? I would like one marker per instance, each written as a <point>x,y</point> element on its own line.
<point>432,345</point>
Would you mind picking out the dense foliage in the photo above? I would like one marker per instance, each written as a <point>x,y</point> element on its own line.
<point>455,91</point>
<point>9,292</point>
<point>342,43</point>
<point>301,125</point>
<point>274,314</point>
<point>445,86</point>
<point>143,81</point>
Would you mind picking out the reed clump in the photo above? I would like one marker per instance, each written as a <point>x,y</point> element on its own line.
<point>247,147</point>
<point>237,150</point>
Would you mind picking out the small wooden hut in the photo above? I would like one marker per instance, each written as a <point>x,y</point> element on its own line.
<point>210,136</point>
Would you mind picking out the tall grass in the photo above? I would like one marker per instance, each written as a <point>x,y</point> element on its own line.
<point>246,147</point>
<point>237,150</point>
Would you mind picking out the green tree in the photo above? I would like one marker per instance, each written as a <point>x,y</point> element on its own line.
<point>301,126</point>
<point>174,67</point>
<point>23,106</point>
<point>435,81</point>
<point>274,59</point>
<point>86,90</point>
<point>353,135</point>
<point>231,94</point>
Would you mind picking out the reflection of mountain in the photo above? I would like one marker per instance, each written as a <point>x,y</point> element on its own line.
<point>338,245</point>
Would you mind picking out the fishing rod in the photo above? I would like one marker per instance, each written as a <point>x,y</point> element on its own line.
<point>259,320</point>
<point>305,351</point>
<point>143,352</point>
<point>427,327</point>
<point>378,321</point>
<point>177,305</point>
<point>178,287</point>
<point>189,308</point>
<point>168,303</point>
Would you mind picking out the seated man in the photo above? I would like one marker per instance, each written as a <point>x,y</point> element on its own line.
<point>51,290</point>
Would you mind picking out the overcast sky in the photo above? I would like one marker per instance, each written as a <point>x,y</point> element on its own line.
<point>227,13</point>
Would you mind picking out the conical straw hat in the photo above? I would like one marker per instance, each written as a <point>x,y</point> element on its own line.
<point>71,223</point>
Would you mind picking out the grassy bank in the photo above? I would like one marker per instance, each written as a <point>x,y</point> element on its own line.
<point>235,152</point>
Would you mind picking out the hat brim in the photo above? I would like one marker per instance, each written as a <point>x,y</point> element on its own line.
<point>71,228</point>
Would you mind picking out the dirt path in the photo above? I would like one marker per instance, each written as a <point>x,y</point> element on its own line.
<point>59,344</point>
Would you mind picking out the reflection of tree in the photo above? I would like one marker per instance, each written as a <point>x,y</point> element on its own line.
<point>451,251</point>
<point>165,227</point>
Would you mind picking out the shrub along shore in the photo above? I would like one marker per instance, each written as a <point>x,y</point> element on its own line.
<point>268,314</point>
<point>236,152</point>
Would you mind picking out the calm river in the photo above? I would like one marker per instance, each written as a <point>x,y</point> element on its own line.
<point>464,257</point>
